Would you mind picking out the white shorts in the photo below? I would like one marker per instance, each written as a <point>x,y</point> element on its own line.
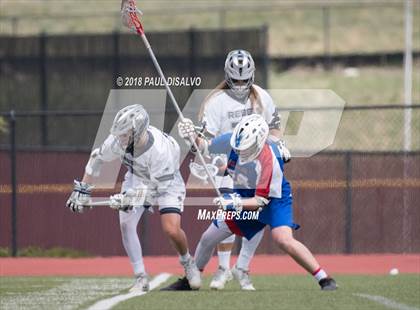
<point>170,201</point>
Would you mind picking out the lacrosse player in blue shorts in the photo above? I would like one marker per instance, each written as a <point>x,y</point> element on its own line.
<point>256,167</point>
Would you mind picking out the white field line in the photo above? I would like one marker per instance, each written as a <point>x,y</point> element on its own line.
<point>68,294</point>
<point>389,303</point>
<point>108,303</point>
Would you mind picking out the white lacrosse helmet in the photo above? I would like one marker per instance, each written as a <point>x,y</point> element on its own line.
<point>248,137</point>
<point>133,121</point>
<point>239,66</point>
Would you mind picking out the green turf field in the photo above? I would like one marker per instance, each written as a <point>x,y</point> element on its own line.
<point>273,292</point>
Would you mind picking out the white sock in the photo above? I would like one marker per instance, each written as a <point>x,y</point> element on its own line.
<point>243,261</point>
<point>138,267</point>
<point>184,258</point>
<point>319,274</point>
<point>208,241</point>
<point>131,242</point>
<point>224,259</point>
<point>248,250</point>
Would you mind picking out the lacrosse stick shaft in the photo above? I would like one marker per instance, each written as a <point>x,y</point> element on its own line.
<point>140,31</point>
<point>104,203</point>
<point>178,110</point>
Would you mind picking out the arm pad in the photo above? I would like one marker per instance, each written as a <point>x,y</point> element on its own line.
<point>93,167</point>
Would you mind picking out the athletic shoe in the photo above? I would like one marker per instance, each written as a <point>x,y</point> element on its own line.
<point>141,284</point>
<point>243,277</point>
<point>192,273</point>
<point>179,285</point>
<point>220,278</point>
<point>328,284</point>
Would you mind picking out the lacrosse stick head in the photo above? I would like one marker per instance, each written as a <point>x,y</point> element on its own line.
<point>130,16</point>
<point>219,161</point>
<point>199,171</point>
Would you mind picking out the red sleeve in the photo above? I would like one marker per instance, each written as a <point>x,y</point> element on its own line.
<point>264,181</point>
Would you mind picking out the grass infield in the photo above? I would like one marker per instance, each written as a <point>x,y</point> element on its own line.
<point>273,292</point>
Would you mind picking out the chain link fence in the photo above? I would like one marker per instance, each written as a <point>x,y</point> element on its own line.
<point>358,196</point>
<point>347,200</point>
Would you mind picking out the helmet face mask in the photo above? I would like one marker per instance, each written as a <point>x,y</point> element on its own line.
<point>239,72</point>
<point>124,140</point>
<point>130,125</point>
<point>239,88</point>
<point>248,155</point>
<point>249,137</point>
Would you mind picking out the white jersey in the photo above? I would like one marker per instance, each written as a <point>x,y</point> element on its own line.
<point>222,112</point>
<point>156,165</point>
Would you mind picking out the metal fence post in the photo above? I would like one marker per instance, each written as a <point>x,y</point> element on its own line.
<point>222,18</point>
<point>12,128</point>
<point>327,37</point>
<point>14,22</point>
<point>193,55</point>
<point>116,57</point>
<point>348,212</point>
<point>265,63</point>
<point>43,88</point>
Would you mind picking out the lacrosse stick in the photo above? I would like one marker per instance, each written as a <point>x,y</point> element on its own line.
<point>199,171</point>
<point>133,23</point>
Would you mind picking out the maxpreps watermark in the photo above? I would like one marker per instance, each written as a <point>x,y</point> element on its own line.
<point>205,215</point>
<point>175,81</point>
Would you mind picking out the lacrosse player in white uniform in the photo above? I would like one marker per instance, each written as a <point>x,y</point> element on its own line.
<point>233,99</point>
<point>153,177</point>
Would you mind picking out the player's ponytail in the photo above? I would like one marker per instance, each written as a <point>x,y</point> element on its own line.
<point>221,86</point>
<point>255,98</point>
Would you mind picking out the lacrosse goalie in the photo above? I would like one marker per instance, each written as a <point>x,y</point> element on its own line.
<point>257,169</point>
<point>153,177</point>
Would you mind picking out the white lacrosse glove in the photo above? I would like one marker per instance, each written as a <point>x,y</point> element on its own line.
<point>119,202</point>
<point>284,151</point>
<point>80,197</point>
<point>229,202</point>
<point>189,132</point>
<point>132,198</point>
<point>186,130</point>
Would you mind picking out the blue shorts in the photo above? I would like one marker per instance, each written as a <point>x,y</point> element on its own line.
<point>279,212</point>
